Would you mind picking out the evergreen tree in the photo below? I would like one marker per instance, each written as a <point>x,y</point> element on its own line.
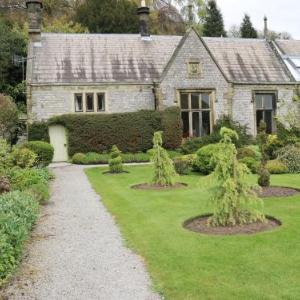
<point>247,29</point>
<point>108,16</point>
<point>235,202</point>
<point>164,170</point>
<point>213,21</point>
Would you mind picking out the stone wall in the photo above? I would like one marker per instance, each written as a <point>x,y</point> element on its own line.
<point>243,103</point>
<point>45,102</point>
<point>210,77</point>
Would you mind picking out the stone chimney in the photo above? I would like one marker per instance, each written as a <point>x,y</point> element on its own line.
<point>34,9</point>
<point>144,12</point>
<point>266,31</point>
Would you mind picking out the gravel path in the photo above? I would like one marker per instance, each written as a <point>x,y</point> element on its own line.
<point>77,252</point>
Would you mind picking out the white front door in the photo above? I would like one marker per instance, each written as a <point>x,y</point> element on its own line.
<point>58,140</point>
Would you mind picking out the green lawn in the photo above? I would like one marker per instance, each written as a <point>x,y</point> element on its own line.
<point>186,265</point>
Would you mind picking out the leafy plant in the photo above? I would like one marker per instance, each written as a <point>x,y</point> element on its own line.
<point>164,171</point>
<point>251,163</point>
<point>18,212</point>
<point>204,162</point>
<point>115,161</point>
<point>234,199</point>
<point>276,166</point>
<point>262,139</point>
<point>4,185</point>
<point>43,150</point>
<point>182,164</point>
<point>22,157</point>
<point>40,192</point>
<point>290,156</point>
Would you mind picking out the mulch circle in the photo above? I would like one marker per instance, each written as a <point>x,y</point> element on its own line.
<point>148,186</point>
<point>199,224</point>
<point>277,191</point>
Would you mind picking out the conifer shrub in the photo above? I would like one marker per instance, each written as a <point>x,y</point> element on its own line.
<point>164,171</point>
<point>115,161</point>
<point>262,139</point>
<point>235,202</point>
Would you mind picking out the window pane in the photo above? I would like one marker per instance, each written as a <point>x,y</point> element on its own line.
<point>268,101</point>
<point>259,104</point>
<point>184,101</point>
<point>259,117</point>
<point>205,101</point>
<point>196,124</point>
<point>101,102</point>
<point>195,101</point>
<point>205,130</point>
<point>78,103</point>
<point>89,102</point>
<point>186,124</point>
<point>269,120</point>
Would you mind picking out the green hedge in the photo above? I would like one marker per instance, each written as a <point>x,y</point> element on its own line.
<point>38,131</point>
<point>130,132</point>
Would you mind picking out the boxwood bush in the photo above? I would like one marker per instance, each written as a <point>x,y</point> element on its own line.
<point>43,150</point>
<point>204,162</point>
<point>130,132</point>
<point>18,212</point>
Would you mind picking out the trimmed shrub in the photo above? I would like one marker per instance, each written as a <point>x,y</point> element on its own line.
<point>204,162</point>
<point>277,167</point>
<point>245,152</point>
<point>18,212</point>
<point>192,145</point>
<point>79,159</point>
<point>130,132</point>
<point>38,131</point>
<point>43,150</point>
<point>181,165</point>
<point>115,161</point>
<point>263,178</point>
<point>251,163</point>
<point>290,156</point>
<point>22,157</point>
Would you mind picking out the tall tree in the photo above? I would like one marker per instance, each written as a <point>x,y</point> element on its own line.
<point>247,29</point>
<point>213,21</point>
<point>108,16</point>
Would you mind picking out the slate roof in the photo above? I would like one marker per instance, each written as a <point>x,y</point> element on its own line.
<point>289,47</point>
<point>247,60</point>
<point>126,58</point>
<point>96,58</point>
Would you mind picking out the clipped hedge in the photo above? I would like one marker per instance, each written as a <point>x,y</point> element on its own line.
<point>38,131</point>
<point>130,132</point>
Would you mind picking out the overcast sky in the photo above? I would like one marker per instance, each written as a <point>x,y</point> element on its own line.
<point>283,15</point>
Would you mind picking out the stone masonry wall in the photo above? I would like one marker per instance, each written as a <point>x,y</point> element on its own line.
<point>244,110</point>
<point>210,76</point>
<point>48,101</point>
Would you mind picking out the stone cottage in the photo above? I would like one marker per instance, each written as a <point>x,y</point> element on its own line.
<point>206,77</point>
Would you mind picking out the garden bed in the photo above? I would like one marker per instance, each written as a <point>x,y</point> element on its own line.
<point>200,224</point>
<point>277,191</point>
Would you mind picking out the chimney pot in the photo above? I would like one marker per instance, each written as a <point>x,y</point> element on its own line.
<point>34,9</point>
<point>143,12</point>
<point>266,31</point>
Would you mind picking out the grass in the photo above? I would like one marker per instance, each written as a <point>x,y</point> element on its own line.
<point>185,265</point>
